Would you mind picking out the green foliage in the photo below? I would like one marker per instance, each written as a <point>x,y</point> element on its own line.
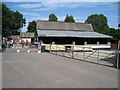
<point>69,19</point>
<point>99,22</point>
<point>115,33</point>
<point>52,17</point>
<point>11,21</point>
<point>32,26</point>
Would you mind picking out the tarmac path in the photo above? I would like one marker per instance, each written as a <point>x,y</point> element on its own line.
<point>45,70</point>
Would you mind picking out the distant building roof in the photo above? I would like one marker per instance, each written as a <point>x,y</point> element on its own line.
<point>15,36</point>
<point>27,35</point>
<point>55,33</point>
<point>63,26</point>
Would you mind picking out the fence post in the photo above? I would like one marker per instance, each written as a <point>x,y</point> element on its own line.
<point>73,51</point>
<point>64,51</point>
<point>118,55</point>
<point>56,49</point>
<point>83,53</point>
<point>98,56</point>
<point>50,47</point>
<point>117,58</point>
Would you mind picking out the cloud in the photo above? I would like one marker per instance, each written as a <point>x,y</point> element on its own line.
<point>48,6</point>
<point>80,21</point>
<point>24,28</point>
<point>30,14</point>
<point>114,16</point>
<point>61,18</point>
<point>40,18</point>
<point>27,6</point>
<point>80,17</point>
<point>43,9</point>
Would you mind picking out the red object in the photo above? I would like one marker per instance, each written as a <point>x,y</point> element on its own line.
<point>22,41</point>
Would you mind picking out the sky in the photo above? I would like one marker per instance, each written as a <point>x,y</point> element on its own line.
<point>79,10</point>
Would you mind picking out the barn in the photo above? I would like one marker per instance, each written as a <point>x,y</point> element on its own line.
<point>71,33</point>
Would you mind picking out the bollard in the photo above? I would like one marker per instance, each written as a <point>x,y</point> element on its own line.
<point>18,51</point>
<point>39,51</point>
<point>28,51</point>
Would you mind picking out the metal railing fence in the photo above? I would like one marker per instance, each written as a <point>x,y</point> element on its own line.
<point>99,56</point>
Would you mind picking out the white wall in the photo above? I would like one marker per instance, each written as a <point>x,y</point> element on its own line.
<point>29,39</point>
<point>100,45</point>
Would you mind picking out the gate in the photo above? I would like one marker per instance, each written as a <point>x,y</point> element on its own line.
<point>86,53</point>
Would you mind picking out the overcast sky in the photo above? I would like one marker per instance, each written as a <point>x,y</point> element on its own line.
<point>79,10</point>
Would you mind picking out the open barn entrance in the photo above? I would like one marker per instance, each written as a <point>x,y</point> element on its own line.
<point>70,40</point>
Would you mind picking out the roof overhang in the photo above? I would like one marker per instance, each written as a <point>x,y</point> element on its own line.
<point>79,34</point>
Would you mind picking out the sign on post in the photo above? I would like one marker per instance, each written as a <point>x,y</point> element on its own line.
<point>39,47</point>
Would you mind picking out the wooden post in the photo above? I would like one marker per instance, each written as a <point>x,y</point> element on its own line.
<point>83,54</point>
<point>72,48</point>
<point>50,47</point>
<point>74,43</point>
<point>98,43</point>
<point>56,49</point>
<point>98,56</point>
<point>85,43</point>
<point>53,42</point>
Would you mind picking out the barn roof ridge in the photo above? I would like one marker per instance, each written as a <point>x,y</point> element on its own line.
<point>64,22</point>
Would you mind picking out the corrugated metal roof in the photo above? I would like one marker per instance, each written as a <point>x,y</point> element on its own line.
<point>15,36</point>
<point>56,33</point>
<point>64,26</point>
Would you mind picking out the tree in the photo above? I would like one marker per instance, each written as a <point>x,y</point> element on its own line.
<point>32,26</point>
<point>52,17</point>
<point>115,33</point>
<point>99,23</point>
<point>11,21</point>
<point>69,19</point>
